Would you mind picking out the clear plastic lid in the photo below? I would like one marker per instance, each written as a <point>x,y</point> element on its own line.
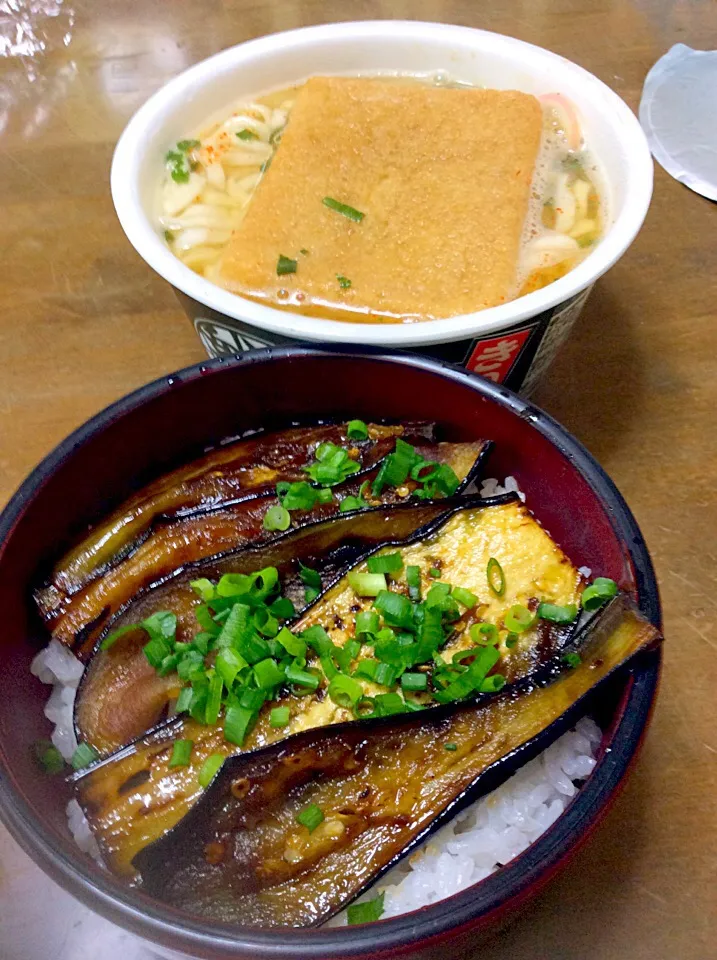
<point>678,112</point>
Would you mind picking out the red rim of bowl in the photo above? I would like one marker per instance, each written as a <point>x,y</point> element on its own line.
<point>482,902</point>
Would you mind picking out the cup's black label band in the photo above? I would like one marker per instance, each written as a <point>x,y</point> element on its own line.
<point>516,357</point>
<point>219,339</point>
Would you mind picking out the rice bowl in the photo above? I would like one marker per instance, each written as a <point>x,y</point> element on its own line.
<point>104,893</point>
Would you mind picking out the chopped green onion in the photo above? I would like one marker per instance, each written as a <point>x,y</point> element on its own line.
<point>495,577</point>
<point>357,430</point>
<point>484,634</point>
<point>344,691</point>
<point>214,700</point>
<point>83,756</point>
<point>319,640</point>
<point>351,649</point>
<point>301,678</point>
<point>365,912</point>
<point>396,467</point>
<point>511,640</point>
<point>285,265</point>
<point>161,624</point>
<point>238,632</point>
<point>365,707</point>
<point>297,496</point>
<point>472,679</point>
<point>238,721</point>
<point>414,681</point>
<point>234,585</point>
<point>434,573</point>
<point>389,704</point>
<point>252,699</point>
<point>518,619</point>
<point>464,597</point>
<point>333,465</point>
<point>282,608</point>
<point>181,752</point>
<point>228,664</point>
<point>344,209</point>
<point>572,660</point>
<point>200,642</point>
<point>267,674</point>
<point>293,645</point>
<point>329,667</point>
<point>247,135</point>
<point>366,584</point>
<point>198,704</point>
<point>263,582</point>
<point>116,634</point>
<point>156,650</point>
<point>265,622</point>
<point>178,161</point>
<point>344,282</point>
<point>385,563</point>
<point>442,482</point>
<point>557,614</point>
<point>210,768</point>
<point>310,594</point>
<point>598,593</point>
<point>450,746</point>
<point>312,578</point>
<point>366,668</point>
<point>413,579</point>
<point>493,683</point>
<point>279,717</point>
<point>184,700</point>
<point>385,675</point>
<point>205,589</point>
<point>367,621</point>
<point>438,597</point>
<point>352,503</point>
<point>396,609</point>
<point>48,756</point>
<point>418,471</point>
<point>310,816</point>
<point>277,518</point>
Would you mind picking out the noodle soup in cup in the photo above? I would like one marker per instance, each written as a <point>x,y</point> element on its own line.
<point>186,172</point>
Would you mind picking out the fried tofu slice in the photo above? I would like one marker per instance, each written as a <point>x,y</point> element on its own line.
<point>442,177</point>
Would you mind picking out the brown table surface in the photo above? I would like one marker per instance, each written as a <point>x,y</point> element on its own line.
<point>83,320</point>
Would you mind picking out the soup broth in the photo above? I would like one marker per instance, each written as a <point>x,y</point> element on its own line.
<point>210,180</point>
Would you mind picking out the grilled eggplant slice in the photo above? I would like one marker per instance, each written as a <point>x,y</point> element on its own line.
<point>134,796</point>
<point>382,785</point>
<point>121,696</point>
<point>187,539</point>
<point>245,468</point>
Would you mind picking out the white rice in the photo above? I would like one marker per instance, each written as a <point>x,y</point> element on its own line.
<point>476,843</point>
<point>492,488</point>
<point>493,830</point>
<point>60,667</point>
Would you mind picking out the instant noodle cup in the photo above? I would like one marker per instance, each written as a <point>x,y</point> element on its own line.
<point>512,342</point>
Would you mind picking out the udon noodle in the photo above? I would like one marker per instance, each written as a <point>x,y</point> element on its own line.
<point>209,182</point>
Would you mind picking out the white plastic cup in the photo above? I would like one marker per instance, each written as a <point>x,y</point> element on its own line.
<point>513,343</point>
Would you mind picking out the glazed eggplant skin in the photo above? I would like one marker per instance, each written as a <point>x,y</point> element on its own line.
<point>240,855</point>
<point>121,696</point>
<point>188,539</point>
<point>234,471</point>
<point>134,797</point>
